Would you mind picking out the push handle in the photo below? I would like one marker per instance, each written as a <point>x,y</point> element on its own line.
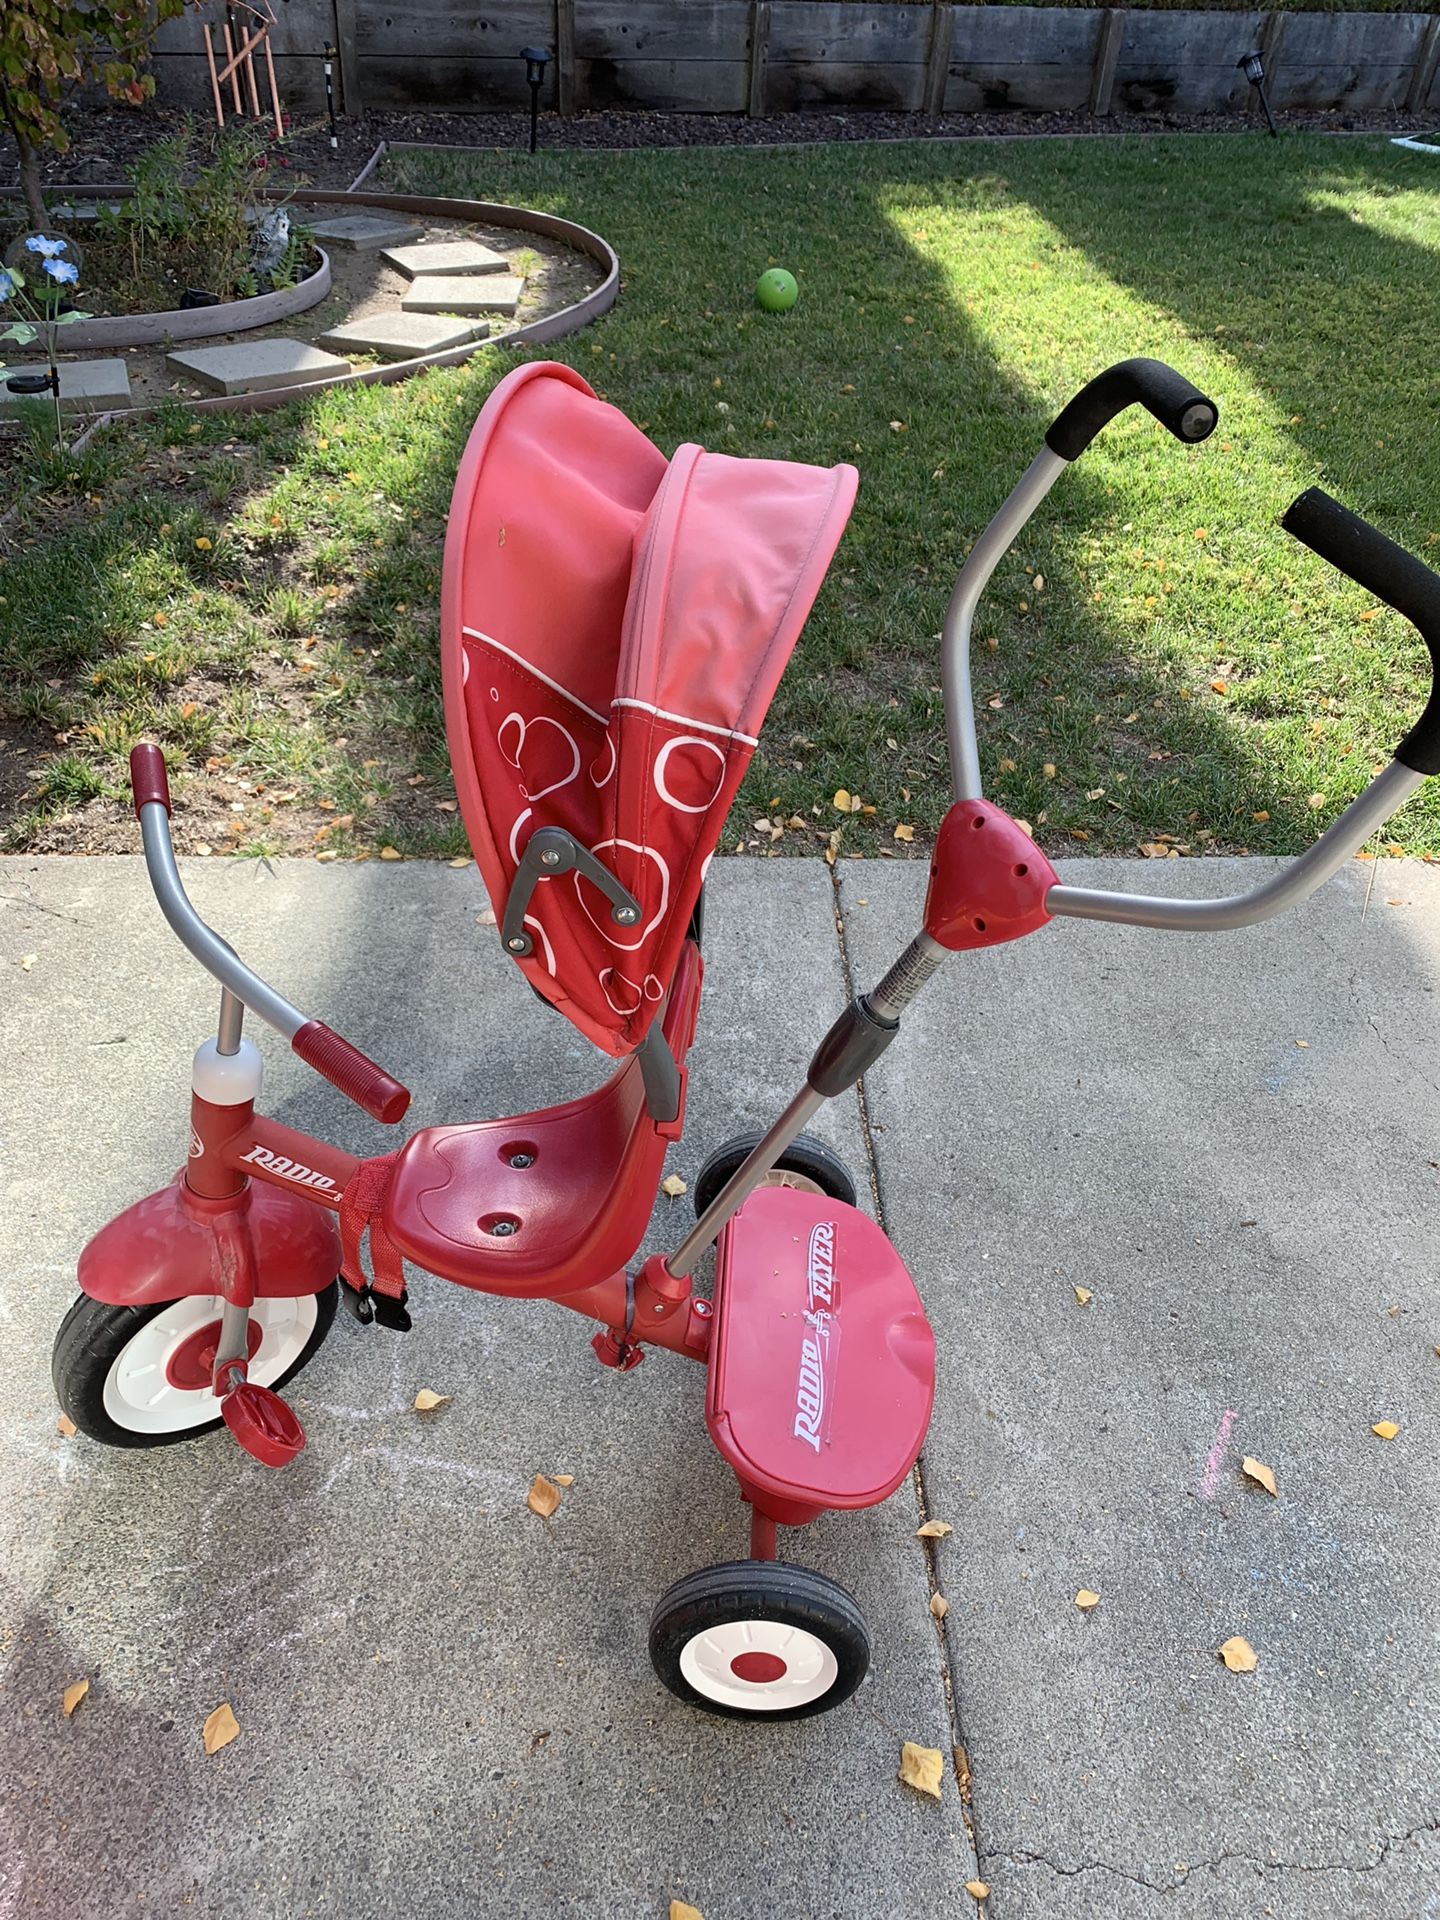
<point>1374,562</point>
<point>1175,403</point>
<point>354,1073</point>
<point>149,779</point>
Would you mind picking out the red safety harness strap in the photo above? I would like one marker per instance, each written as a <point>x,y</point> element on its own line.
<point>362,1206</point>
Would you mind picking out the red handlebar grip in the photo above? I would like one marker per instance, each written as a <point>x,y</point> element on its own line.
<point>148,777</point>
<point>345,1067</point>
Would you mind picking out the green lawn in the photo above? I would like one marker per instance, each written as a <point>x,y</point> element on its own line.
<point>1156,660</point>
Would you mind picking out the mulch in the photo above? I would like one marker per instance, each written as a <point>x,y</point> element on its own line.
<point>107,139</point>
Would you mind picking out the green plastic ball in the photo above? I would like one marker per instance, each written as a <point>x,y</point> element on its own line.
<point>776,290</point>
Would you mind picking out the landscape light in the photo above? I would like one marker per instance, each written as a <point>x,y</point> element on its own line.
<point>536,60</point>
<point>1253,67</point>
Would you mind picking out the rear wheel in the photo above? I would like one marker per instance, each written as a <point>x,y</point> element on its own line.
<point>759,1640</point>
<point>140,1376</point>
<point>807,1163</point>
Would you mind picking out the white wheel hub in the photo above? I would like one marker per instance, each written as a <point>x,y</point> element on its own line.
<point>139,1394</point>
<point>759,1665</point>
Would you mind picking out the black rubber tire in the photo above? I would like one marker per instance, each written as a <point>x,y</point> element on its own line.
<point>760,1590</point>
<point>92,1335</point>
<point>805,1155</point>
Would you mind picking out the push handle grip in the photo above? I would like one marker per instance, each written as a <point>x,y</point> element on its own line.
<point>148,777</point>
<point>357,1076</point>
<point>1374,562</point>
<point>1175,403</point>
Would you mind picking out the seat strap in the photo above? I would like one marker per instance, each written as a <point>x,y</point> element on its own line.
<point>362,1206</point>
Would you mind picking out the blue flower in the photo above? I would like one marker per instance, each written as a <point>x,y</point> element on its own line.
<point>64,270</point>
<point>8,283</point>
<point>51,249</point>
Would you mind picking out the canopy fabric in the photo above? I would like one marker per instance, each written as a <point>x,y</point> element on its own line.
<point>613,629</point>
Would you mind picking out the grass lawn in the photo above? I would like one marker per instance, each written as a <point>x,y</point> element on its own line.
<point>1156,659</point>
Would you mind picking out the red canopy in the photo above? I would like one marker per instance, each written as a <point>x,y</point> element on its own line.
<point>613,629</point>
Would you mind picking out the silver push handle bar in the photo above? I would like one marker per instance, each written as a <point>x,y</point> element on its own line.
<point>342,1064</point>
<point>1329,529</point>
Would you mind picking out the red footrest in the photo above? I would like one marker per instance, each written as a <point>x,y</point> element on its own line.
<point>263,1424</point>
<point>822,1363</point>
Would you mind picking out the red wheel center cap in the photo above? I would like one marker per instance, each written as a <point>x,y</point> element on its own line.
<point>192,1365</point>
<point>758,1668</point>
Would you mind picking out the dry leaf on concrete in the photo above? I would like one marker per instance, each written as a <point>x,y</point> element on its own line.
<point>922,1768</point>
<point>934,1530</point>
<point>426,1401</point>
<point>1238,1655</point>
<point>978,1889</point>
<point>563,1479</point>
<point>1387,1429</point>
<point>220,1729</point>
<point>939,1605</point>
<point>543,1497</point>
<point>674,1185</point>
<point>1085,1599</point>
<point>963,1774</point>
<point>682,1910</point>
<point>73,1695</point>
<point>1257,1471</point>
<point>66,1426</point>
<point>1084,1296</point>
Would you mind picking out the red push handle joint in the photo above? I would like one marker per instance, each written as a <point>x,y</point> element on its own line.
<point>345,1067</point>
<point>148,777</point>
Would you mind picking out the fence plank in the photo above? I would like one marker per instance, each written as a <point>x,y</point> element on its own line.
<point>1185,62</point>
<point>1108,43</point>
<point>565,55</point>
<point>1427,60</point>
<point>444,82</point>
<point>661,30</point>
<point>937,62</point>
<point>1363,61</point>
<point>352,100</point>
<point>673,86</point>
<point>438,29</point>
<point>759,57</point>
<point>821,32</point>
<point>1031,58</point>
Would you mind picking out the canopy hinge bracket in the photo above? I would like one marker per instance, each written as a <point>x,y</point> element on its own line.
<point>549,852</point>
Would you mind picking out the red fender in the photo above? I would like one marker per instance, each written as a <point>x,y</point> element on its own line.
<point>263,1241</point>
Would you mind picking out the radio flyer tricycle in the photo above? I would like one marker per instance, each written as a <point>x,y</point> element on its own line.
<point>614,626</point>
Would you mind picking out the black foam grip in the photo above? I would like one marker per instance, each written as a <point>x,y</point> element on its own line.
<point>1374,562</point>
<point>1175,403</point>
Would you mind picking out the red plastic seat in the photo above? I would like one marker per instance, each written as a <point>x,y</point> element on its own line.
<point>548,1203</point>
<point>822,1363</point>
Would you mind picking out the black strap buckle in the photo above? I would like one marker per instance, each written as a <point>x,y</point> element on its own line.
<point>359,1302</point>
<point>390,1312</point>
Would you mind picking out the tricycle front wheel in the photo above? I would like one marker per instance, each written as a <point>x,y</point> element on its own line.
<point>140,1376</point>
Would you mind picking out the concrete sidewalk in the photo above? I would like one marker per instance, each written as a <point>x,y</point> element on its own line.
<point>446,1704</point>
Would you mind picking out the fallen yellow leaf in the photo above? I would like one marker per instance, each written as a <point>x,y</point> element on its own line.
<point>922,1768</point>
<point>1316,800</point>
<point>73,1695</point>
<point>220,1729</point>
<point>1257,1471</point>
<point>934,1530</point>
<point>1219,686</point>
<point>66,1426</point>
<point>426,1401</point>
<point>902,832</point>
<point>27,961</point>
<point>563,1479</point>
<point>543,1497</point>
<point>1084,1296</point>
<point>391,853</point>
<point>1387,1429</point>
<point>978,1889</point>
<point>844,801</point>
<point>682,1910</point>
<point>1238,1655</point>
<point>939,1605</point>
<point>1085,1599</point>
<point>1048,769</point>
<point>674,1185</point>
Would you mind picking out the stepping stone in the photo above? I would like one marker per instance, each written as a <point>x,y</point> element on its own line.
<point>445,256</point>
<point>401,336</point>
<point>85,386</point>
<point>464,293</point>
<point>255,366</point>
<point>364,233</point>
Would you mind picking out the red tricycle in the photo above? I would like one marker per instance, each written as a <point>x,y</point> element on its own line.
<point>614,626</point>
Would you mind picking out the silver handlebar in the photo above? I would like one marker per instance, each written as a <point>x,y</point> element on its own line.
<point>1342,839</point>
<point>206,945</point>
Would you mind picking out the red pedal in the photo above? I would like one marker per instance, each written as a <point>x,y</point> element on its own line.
<point>822,1364</point>
<point>263,1424</point>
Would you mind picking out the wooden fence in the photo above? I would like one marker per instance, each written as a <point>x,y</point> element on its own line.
<point>774,56</point>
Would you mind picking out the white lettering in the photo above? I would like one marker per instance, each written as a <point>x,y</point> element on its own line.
<point>810,1395</point>
<point>288,1169</point>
